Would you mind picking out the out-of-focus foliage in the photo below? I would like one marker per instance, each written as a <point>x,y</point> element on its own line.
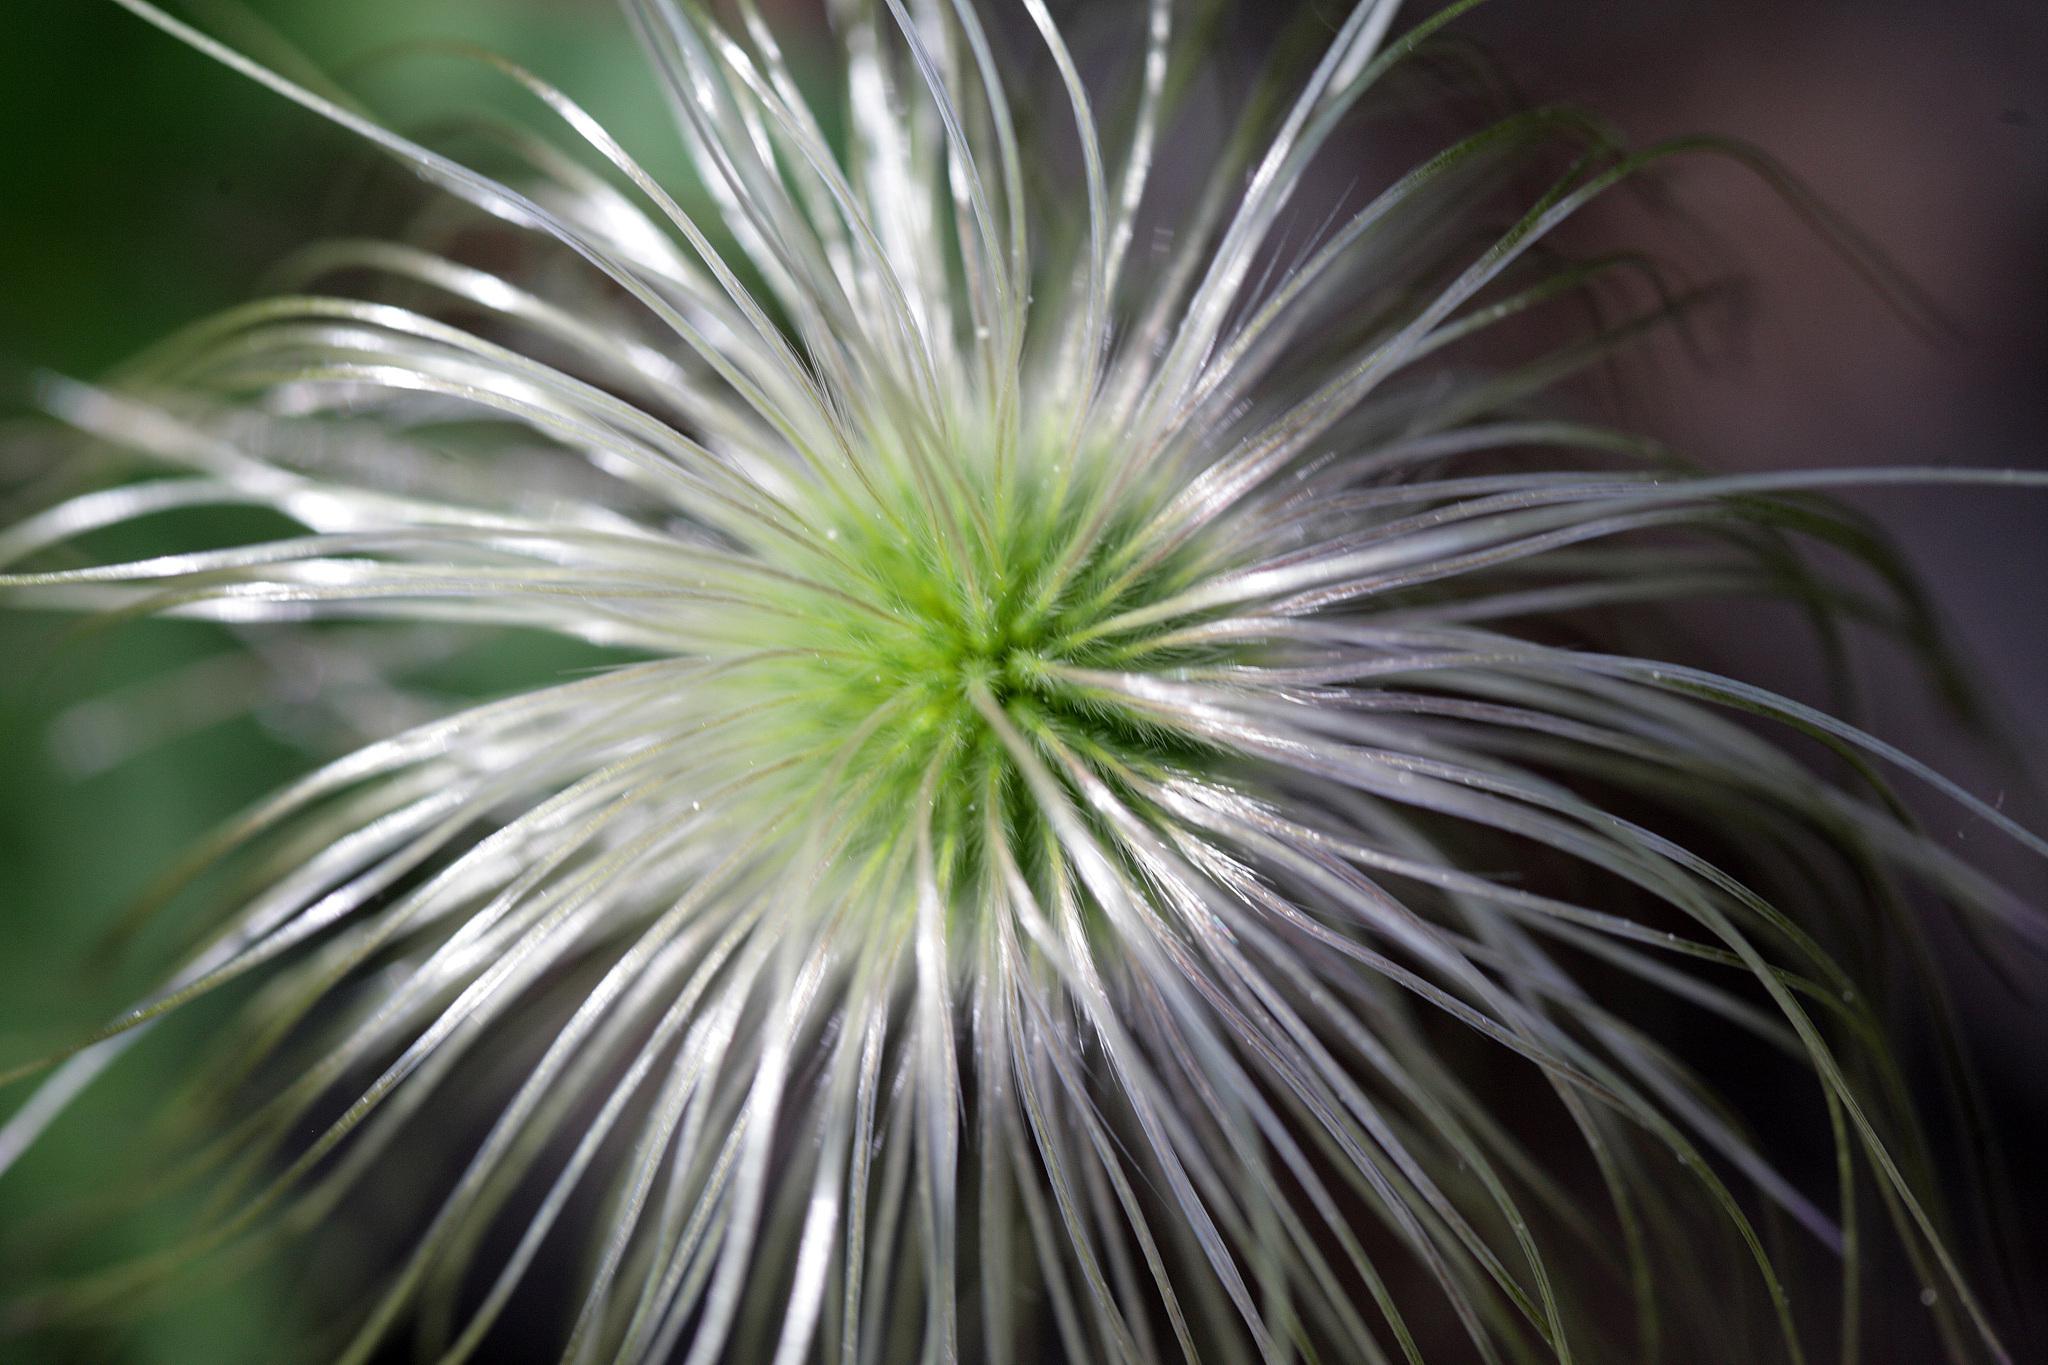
<point>142,187</point>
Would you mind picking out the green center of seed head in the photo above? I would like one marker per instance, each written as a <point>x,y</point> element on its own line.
<point>884,707</point>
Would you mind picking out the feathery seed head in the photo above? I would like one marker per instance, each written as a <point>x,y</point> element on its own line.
<point>1082,755</point>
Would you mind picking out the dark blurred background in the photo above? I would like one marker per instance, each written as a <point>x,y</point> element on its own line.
<point>141,186</point>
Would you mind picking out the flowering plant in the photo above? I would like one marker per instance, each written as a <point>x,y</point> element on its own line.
<point>1084,749</point>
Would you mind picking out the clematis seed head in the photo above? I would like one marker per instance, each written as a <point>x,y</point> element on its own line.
<point>1103,811</point>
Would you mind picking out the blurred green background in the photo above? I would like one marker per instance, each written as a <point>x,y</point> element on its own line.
<point>142,186</point>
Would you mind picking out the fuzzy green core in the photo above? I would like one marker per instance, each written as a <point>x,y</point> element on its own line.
<point>973,600</point>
